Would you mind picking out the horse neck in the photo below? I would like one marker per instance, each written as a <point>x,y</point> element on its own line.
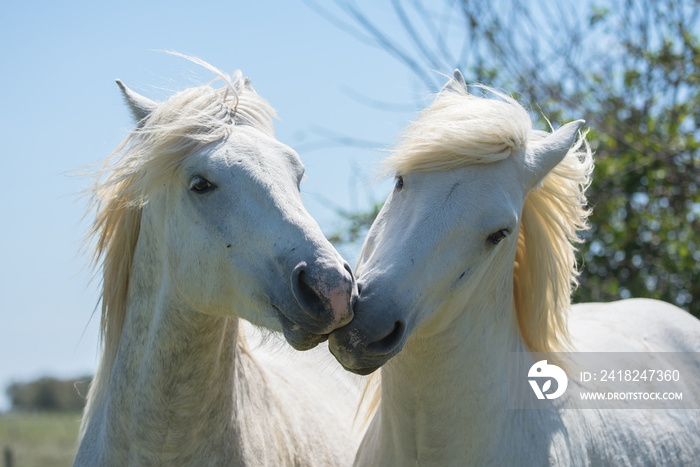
<point>177,373</point>
<point>453,381</point>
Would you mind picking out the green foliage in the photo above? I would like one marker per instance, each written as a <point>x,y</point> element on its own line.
<point>632,70</point>
<point>49,394</point>
<point>644,239</point>
<point>355,225</point>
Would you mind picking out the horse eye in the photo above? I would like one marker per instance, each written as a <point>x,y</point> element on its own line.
<point>201,185</point>
<point>399,183</point>
<point>498,236</point>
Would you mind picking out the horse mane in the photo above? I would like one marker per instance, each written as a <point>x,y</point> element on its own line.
<point>146,160</point>
<point>460,129</point>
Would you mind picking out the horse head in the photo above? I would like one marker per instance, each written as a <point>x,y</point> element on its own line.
<point>216,199</point>
<point>449,232</point>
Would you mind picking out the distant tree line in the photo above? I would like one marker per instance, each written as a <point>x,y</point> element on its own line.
<point>49,394</point>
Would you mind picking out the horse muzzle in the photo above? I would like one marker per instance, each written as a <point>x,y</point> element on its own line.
<point>325,293</point>
<point>374,336</point>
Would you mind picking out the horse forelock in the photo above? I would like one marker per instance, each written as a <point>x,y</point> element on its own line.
<point>457,130</point>
<point>148,158</point>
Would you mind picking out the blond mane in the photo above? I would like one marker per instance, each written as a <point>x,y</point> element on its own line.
<point>460,129</point>
<point>144,162</point>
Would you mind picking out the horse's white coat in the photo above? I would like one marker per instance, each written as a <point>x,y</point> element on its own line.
<point>181,386</point>
<point>444,399</point>
<point>437,307</point>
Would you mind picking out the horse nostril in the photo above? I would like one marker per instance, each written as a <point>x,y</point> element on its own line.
<point>391,340</point>
<point>324,296</point>
<point>307,295</point>
<point>347,267</point>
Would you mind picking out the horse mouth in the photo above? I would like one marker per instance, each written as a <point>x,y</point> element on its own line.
<point>298,337</point>
<point>359,368</point>
<point>350,361</point>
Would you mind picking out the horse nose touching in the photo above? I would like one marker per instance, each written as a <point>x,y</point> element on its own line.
<point>326,293</point>
<point>376,333</point>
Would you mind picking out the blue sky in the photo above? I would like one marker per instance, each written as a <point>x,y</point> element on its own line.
<point>60,110</point>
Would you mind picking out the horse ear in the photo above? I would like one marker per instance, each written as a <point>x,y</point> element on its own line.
<point>141,107</point>
<point>456,84</point>
<point>248,86</point>
<point>542,156</point>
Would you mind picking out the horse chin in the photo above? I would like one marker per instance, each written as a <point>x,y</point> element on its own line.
<point>298,337</point>
<point>360,363</point>
<point>362,371</point>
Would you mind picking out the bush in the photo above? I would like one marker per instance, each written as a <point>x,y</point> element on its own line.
<point>49,394</point>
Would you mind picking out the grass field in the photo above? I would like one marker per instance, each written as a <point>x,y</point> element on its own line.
<point>39,439</point>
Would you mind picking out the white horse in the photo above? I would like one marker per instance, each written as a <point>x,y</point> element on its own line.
<point>470,260</point>
<point>199,223</point>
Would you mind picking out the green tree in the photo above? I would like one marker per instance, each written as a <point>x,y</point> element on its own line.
<point>49,394</point>
<point>631,69</point>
